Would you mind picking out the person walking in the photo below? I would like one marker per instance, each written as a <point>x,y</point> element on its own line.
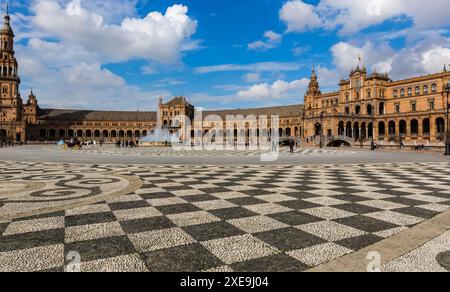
<point>291,145</point>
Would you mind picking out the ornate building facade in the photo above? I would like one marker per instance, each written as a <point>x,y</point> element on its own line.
<point>366,105</point>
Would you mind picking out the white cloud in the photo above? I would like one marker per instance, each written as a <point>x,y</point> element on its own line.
<point>255,67</point>
<point>277,90</point>
<point>299,16</point>
<point>427,56</point>
<point>84,86</point>
<point>346,55</point>
<point>157,37</point>
<point>272,40</point>
<point>351,16</point>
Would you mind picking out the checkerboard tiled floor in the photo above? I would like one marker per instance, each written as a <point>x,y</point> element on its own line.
<point>154,152</point>
<point>278,218</point>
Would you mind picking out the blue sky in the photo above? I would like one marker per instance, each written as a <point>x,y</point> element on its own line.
<point>111,54</point>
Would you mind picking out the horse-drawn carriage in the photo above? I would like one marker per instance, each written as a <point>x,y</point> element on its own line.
<point>72,145</point>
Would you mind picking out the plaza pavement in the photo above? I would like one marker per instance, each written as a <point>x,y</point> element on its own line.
<point>220,217</point>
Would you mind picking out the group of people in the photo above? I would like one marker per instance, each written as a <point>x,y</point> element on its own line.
<point>127,144</point>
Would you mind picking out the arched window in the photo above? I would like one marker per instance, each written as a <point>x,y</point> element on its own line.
<point>434,88</point>
<point>417,90</point>
<point>369,109</point>
<point>425,89</point>
<point>402,93</point>
<point>395,93</point>
<point>381,112</point>
<point>381,129</point>
<point>410,91</point>
<point>358,109</point>
<point>347,110</point>
<point>369,93</point>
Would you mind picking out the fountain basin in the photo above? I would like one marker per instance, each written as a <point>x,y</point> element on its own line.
<point>156,144</point>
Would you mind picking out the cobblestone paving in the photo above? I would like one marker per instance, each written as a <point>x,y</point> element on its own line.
<point>218,218</point>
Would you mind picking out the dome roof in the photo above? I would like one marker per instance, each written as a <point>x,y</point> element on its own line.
<point>6,28</point>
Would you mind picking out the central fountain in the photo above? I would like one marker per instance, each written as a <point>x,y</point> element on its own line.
<point>161,136</point>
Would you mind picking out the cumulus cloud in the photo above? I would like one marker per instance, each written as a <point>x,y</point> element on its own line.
<point>351,16</point>
<point>346,55</point>
<point>156,37</point>
<point>427,56</point>
<point>299,16</point>
<point>66,46</point>
<point>277,90</point>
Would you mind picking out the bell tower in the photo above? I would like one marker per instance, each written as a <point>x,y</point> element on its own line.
<point>10,101</point>
<point>313,92</point>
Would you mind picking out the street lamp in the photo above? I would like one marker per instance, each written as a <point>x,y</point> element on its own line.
<point>321,130</point>
<point>372,112</point>
<point>447,139</point>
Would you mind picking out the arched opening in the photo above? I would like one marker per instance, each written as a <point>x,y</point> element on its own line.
<point>381,130</point>
<point>52,133</point>
<point>358,109</point>
<point>121,134</point>
<point>105,134</point>
<point>356,131</point>
<point>414,128</point>
<point>280,132</point>
<point>369,109</point>
<point>42,133</point>
<point>144,133</point>
<point>80,133</point>
<point>370,130</point>
<point>363,131</point>
<point>97,134</point>
<point>349,130</point>
<point>341,130</point>
<point>129,134</point>
<point>71,133</point>
<point>297,134</point>
<point>113,134</point>
<point>347,110</point>
<point>440,128</point>
<point>137,134</point>
<point>88,134</point>
<point>288,132</point>
<point>392,130</point>
<point>381,108</point>
<point>403,128</point>
<point>426,128</point>
<point>318,129</point>
<point>62,133</point>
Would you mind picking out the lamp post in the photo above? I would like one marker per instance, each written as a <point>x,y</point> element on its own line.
<point>447,132</point>
<point>321,130</point>
<point>1,130</point>
<point>372,143</point>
